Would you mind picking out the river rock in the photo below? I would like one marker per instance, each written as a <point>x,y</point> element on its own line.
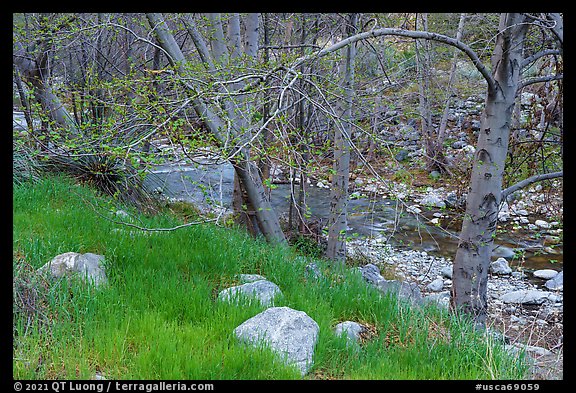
<point>433,200</point>
<point>371,273</point>
<point>262,290</point>
<point>500,266</point>
<point>526,296</point>
<point>413,209</point>
<point>458,144</point>
<point>542,224</point>
<point>453,200</point>
<point>556,283</point>
<point>89,267</point>
<point>535,351</point>
<point>436,286</point>
<point>441,299</point>
<point>446,271</point>
<point>290,333</point>
<point>518,275</point>
<point>546,274</point>
<point>404,290</point>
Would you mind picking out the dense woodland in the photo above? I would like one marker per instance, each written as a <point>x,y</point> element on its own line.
<point>317,93</point>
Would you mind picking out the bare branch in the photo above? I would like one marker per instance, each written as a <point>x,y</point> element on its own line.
<point>295,46</point>
<point>538,55</point>
<point>405,33</point>
<point>526,182</point>
<point>539,79</point>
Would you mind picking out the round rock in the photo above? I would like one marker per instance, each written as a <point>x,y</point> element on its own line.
<point>262,290</point>
<point>89,267</point>
<point>556,283</point>
<point>546,274</point>
<point>436,286</point>
<point>290,333</point>
<point>500,266</point>
<point>350,328</point>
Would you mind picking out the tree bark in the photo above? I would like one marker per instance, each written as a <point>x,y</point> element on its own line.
<point>472,260</point>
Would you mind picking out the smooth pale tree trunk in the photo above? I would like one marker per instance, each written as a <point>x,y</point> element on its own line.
<point>338,220</point>
<point>243,207</point>
<point>252,25</point>
<point>246,170</point>
<point>444,120</point>
<point>35,74</point>
<point>422,50</point>
<point>23,98</point>
<point>297,208</point>
<point>217,41</point>
<point>470,270</point>
<point>264,162</point>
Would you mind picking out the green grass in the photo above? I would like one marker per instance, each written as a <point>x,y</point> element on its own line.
<point>158,318</point>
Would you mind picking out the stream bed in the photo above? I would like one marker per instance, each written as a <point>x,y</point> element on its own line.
<point>212,184</point>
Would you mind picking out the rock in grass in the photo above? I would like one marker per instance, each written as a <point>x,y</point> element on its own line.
<point>371,273</point>
<point>290,333</point>
<point>351,329</point>
<point>263,291</point>
<point>245,278</point>
<point>89,267</point>
<point>441,299</point>
<point>404,290</point>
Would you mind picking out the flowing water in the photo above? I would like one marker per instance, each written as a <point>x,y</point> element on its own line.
<point>378,217</point>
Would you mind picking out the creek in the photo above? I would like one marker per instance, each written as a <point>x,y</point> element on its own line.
<point>207,184</point>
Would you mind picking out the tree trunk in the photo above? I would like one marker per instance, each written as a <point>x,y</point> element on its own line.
<point>264,162</point>
<point>217,42</point>
<point>444,121</point>
<point>34,73</point>
<point>470,270</point>
<point>246,170</point>
<point>337,221</point>
<point>23,99</point>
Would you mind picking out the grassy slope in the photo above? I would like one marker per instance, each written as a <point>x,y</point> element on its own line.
<point>158,318</point>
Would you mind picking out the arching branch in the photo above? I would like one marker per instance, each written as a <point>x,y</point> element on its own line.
<point>539,79</point>
<point>538,55</point>
<point>526,182</point>
<point>410,34</point>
